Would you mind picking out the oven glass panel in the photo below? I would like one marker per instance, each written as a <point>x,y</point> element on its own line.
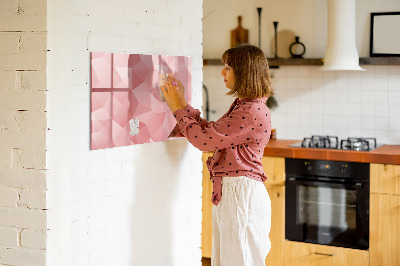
<point>326,207</point>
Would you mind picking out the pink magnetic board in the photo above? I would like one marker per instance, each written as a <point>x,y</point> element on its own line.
<point>126,101</point>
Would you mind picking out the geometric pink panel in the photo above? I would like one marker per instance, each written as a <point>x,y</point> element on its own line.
<point>126,105</point>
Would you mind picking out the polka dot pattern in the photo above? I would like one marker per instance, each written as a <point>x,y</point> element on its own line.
<point>238,139</point>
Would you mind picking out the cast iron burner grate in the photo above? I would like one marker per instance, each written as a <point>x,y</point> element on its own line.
<point>327,142</point>
<point>358,144</point>
<point>332,142</point>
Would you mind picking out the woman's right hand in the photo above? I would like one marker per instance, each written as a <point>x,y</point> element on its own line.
<point>181,91</point>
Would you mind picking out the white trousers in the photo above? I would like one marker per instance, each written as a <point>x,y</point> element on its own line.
<point>241,223</point>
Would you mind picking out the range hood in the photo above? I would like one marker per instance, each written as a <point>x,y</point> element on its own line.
<point>341,51</point>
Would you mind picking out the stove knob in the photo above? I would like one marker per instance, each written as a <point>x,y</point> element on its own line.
<point>343,168</point>
<point>308,166</point>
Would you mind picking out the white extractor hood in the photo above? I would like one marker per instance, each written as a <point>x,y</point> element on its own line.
<point>341,51</point>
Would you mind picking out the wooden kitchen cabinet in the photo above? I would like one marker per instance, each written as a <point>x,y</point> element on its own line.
<point>277,233</point>
<point>274,168</point>
<point>384,215</point>
<point>305,254</point>
<point>384,236</point>
<point>206,225</point>
<point>385,178</point>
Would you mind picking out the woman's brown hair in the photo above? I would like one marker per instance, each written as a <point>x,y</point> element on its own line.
<point>250,66</point>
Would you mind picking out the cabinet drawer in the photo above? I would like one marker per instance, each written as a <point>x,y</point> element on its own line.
<point>304,254</point>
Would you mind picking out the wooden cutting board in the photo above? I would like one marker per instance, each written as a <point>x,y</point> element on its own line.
<point>239,35</point>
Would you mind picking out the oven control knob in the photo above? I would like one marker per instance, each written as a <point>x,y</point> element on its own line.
<point>343,168</point>
<point>308,166</point>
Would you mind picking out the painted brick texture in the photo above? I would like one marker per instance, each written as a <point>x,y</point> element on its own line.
<point>23,126</point>
<point>108,207</point>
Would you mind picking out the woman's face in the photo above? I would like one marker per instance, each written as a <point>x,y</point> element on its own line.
<point>229,76</point>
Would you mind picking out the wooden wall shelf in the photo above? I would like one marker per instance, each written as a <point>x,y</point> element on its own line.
<point>273,63</point>
<point>380,61</point>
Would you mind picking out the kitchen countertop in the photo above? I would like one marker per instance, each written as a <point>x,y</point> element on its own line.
<point>389,154</point>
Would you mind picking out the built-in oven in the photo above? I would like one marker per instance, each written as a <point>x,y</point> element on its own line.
<point>327,202</point>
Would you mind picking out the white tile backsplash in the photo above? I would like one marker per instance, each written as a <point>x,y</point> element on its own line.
<point>394,110</point>
<point>291,71</point>
<point>381,71</point>
<point>367,97</point>
<point>381,110</point>
<point>329,109</point>
<point>381,122</point>
<point>393,71</point>
<point>394,82</point>
<point>381,97</point>
<point>342,123</point>
<point>342,96</point>
<point>354,80</point>
<point>367,110</point>
<point>394,123</point>
<point>394,97</point>
<point>381,83</point>
<point>292,83</point>
<point>304,72</point>
<point>394,137</point>
<point>382,136</point>
<point>367,123</point>
<point>314,102</point>
<point>304,82</point>
<point>342,109</point>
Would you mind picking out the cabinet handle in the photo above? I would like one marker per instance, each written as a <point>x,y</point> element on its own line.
<point>324,254</point>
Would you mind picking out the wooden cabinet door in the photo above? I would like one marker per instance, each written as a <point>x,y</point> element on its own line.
<point>206,226</point>
<point>385,178</point>
<point>274,168</point>
<point>304,254</point>
<point>384,236</point>
<point>277,233</point>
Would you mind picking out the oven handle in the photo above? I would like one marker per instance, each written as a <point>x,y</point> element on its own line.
<point>357,185</point>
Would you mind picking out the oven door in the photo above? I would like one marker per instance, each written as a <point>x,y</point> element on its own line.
<point>327,213</point>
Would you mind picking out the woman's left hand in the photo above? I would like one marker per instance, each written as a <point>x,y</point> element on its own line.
<point>170,90</point>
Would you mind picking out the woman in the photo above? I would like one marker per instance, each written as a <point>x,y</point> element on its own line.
<point>242,208</point>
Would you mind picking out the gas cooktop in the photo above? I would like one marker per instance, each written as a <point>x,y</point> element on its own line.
<point>332,142</point>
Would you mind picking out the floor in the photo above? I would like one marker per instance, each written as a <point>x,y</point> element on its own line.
<point>206,261</point>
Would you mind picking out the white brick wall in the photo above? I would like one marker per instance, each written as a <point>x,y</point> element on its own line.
<point>134,205</point>
<point>100,204</point>
<point>23,132</point>
<point>9,237</point>
<point>33,239</point>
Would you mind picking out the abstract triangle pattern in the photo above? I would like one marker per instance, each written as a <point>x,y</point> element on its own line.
<point>126,106</point>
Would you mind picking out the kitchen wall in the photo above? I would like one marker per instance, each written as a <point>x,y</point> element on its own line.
<point>60,202</point>
<point>342,103</point>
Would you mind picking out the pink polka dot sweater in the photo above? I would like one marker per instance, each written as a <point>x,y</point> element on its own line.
<point>238,139</point>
